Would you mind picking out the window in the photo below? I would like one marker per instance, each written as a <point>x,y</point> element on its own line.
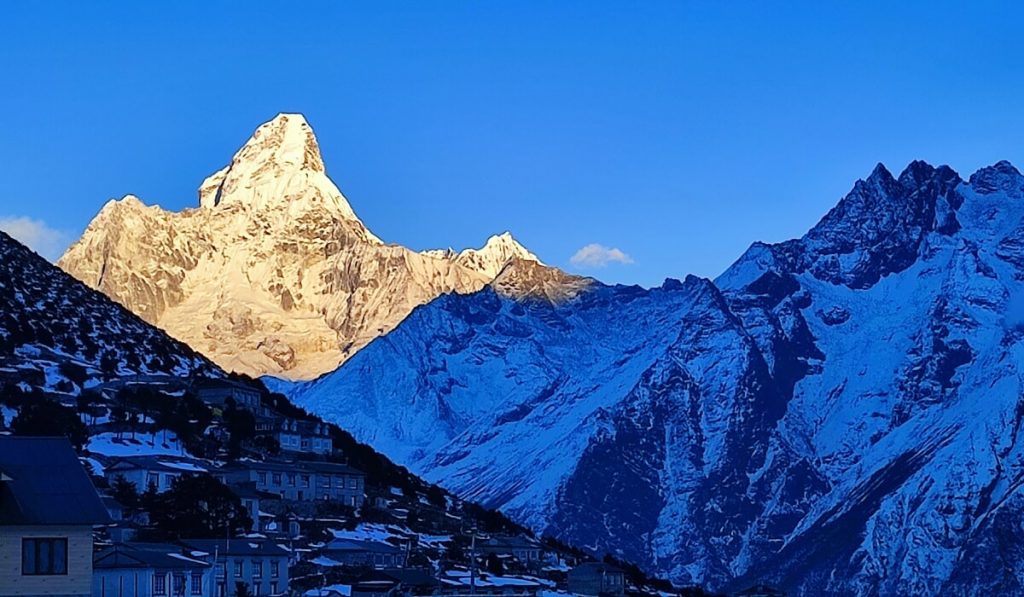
<point>153,480</point>
<point>305,480</point>
<point>41,556</point>
<point>238,568</point>
<point>159,584</point>
<point>262,478</point>
<point>197,583</point>
<point>273,588</point>
<point>291,479</point>
<point>178,583</point>
<point>275,569</point>
<point>353,483</point>
<point>256,589</point>
<point>257,569</point>
<point>277,478</point>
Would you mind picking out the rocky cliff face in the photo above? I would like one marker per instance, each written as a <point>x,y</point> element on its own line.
<point>273,273</point>
<point>837,414</point>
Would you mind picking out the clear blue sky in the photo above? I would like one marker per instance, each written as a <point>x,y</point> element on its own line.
<point>676,132</point>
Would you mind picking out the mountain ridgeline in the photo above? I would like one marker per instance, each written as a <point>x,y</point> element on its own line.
<point>839,413</point>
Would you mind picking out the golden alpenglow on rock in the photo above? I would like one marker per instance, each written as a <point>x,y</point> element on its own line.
<point>273,273</point>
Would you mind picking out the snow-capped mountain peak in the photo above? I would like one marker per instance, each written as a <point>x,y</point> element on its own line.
<point>496,252</point>
<point>279,167</point>
<point>1001,176</point>
<point>839,414</point>
<point>274,273</point>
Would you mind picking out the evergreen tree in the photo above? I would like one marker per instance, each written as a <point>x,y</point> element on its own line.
<point>198,506</point>
<point>125,492</point>
<point>44,417</point>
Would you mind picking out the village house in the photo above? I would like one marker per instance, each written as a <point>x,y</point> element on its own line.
<point>307,437</point>
<point>352,552</point>
<point>121,529</point>
<point>286,479</point>
<point>48,507</point>
<point>252,499</point>
<point>216,393</point>
<point>524,549</point>
<point>300,481</point>
<point>153,471</point>
<point>462,582</point>
<point>149,570</point>
<point>597,578</point>
<point>338,482</point>
<point>259,563</point>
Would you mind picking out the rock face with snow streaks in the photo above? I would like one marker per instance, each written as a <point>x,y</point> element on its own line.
<point>836,414</point>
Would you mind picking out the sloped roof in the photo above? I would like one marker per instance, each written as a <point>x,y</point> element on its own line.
<point>145,555</point>
<point>236,547</point>
<point>170,464</point>
<point>45,484</point>
<point>332,468</point>
<point>510,542</point>
<point>597,568</point>
<point>356,545</point>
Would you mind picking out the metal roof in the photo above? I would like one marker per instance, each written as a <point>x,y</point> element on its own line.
<point>236,547</point>
<point>145,555</point>
<point>45,484</point>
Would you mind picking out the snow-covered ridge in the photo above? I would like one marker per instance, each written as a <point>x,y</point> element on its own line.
<point>836,414</point>
<point>51,325</point>
<point>273,273</point>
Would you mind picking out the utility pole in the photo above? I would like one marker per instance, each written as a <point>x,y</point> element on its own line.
<point>472,564</point>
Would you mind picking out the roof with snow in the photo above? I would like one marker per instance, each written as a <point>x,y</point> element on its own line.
<point>353,545</point>
<point>159,463</point>
<point>145,555</point>
<point>43,483</point>
<point>236,547</point>
<point>510,542</point>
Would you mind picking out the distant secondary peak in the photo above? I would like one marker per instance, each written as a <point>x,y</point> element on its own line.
<point>523,278</point>
<point>1001,176</point>
<point>507,245</point>
<point>880,174</point>
<point>916,171</point>
<point>920,173</point>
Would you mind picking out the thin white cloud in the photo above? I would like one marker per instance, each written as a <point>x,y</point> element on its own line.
<point>36,235</point>
<point>596,255</point>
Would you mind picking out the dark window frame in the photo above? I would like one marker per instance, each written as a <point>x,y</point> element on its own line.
<point>37,544</point>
